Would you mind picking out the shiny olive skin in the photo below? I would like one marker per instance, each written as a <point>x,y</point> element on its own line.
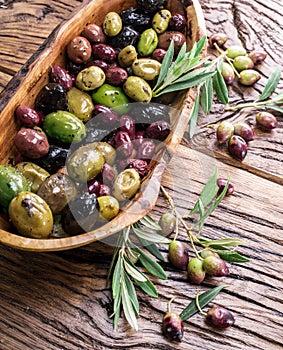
<point>99,63</point>
<point>31,215</point>
<point>196,273</point>
<point>146,68</point>
<point>127,56</point>
<point>94,34</point>
<point>112,24</point>
<point>64,126</point>
<point>79,50</point>
<point>165,39</point>
<point>244,130</point>
<point>167,223</point>
<point>80,104</point>
<point>108,174</point>
<point>177,22</point>
<point>224,131</point>
<point>110,96</point>
<point>12,182</point>
<point>139,165</point>
<point>148,42</point>
<point>85,163</point>
<point>237,147</point>
<point>34,174</point>
<point>218,39</point>
<point>160,21</point>
<point>158,54</point>
<point>27,116</point>
<point>215,266</point>
<point>158,130</point>
<point>220,317</point>
<point>150,6</point>
<point>116,76</point>
<point>178,254</point>
<point>51,98</point>
<point>243,62</point>
<point>60,76</point>
<point>227,73</point>
<point>127,36</point>
<point>137,89</point>
<point>107,151</point>
<point>108,207</point>
<point>127,124</point>
<point>104,52</point>
<point>90,78</point>
<point>221,183</point>
<point>126,184</point>
<point>57,190</point>
<point>146,150</point>
<point>257,56</point>
<point>31,143</point>
<point>172,326</point>
<point>54,159</point>
<point>266,120</point>
<point>235,50</point>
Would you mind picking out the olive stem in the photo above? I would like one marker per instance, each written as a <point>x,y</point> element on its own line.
<point>176,229</point>
<point>169,304</point>
<point>198,306</point>
<point>262,104</point>
<point>228,59</point>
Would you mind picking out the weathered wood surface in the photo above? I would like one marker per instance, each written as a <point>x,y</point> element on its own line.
<point>60,300</point>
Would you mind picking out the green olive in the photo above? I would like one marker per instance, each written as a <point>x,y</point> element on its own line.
<point>148,42</point>
<point>85,163</point>
<point>137,89</point>
<point>90,78</point>
<point>108,152</point>
<point>57,190</point>
<point>31,215</point>
<point>80,103</point>
<point>126,184</point>
<point>235,50</point>
<point>108,207</point>
<point>110,96</point>
<point>127,56</point>
<point>33,173</point>
<point>112,24</point>
<point>161,20</point>
<point>146,68</point>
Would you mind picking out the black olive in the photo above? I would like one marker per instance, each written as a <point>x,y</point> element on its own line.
<point>127,36</point>
<point>135,18</point>
<point>52,97</point>
<point>54,159</point>
<point>149,6</point>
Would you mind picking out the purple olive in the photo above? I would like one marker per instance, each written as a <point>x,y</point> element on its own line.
<point>98,63</point>
<point>127,124</point>
<point>224,131</point>
<point>124,146</point>
<point>266,120</point>
<point>27,116</point>
<point>139,137</point>
<point>104,52</point>
<point>177,22</point>
<point>245,131</point>
<point>158,54</point>
<point>116,76</point>
<point>222,183</point>
<point>220,317</point>
<point>146,150</point>
<point>158,130</point>
<point>196,273</point>
<point>227,73</point>
<point>179,254</point>
<point>237,147</point>
<point>93,186</point>
<point>105,116</point>
<point>139,165</point>
<point>218,39</point>
<point>104,191</point>
<point>61,76</point>
<point>215,266</point>
<point>108,174</point>
<point>172,326</point>
<point>257,56</point>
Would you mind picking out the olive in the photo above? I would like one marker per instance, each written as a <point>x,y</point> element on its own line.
<point>80,104</point>
<point>57,190</point>
<point>235,50</point>
<point>127,36</point>
<point>31,215</point>
<point>79,50</point>
<point>244,130</point>
<point>108,207</point>
<point>224,131</point>
<point>215,266</point>
<point>243,62</point>
<point>137,89</point>
<point>105,116</point>
<point>108,174</point>
<point>127,56</point>
<point>158,54</point>
<point>146,68</point>
<point>112,24</point>
<point>165,39</point>
<point>85,163</point>
<point>249,77</point>
<point>237,147</point>
<point>145,113</point>
<point>172,326</point>
<point>167,223</point>
<point>179,254</point>
<point>54,159</point>
<point>149,6</point>
<point>139,165</point>
<point>218,39</point>
<point>158,130</point>
<point>116,76</point>
<point>60,76</point>
<point>93,186</point>
<point>94,34</point>
<point>12,182</point>
<point>148,42</point>
<point>99,63</point>
<point>90,78</point>
<point>161,20</point>
<point>257,56</point>
<point>51,98</point>
<point>146,150</point>
<point>107,151</point>
<point>139,137</point>
<point>81,214</point>
<point>220,317</point>
<point>27,116</point>
<point>127,124</point>
<point>177,22</point>
<point>104,190</point>
<point>31,143</point>
<point>196,273</point>
<point>266,120</point>
<point>34,174</point>
<point>110,96</point>
<point>135,17</point>
<point>126,184</point>
<point>221,183</point>
<point>104,52</point>
<point>227,73</point>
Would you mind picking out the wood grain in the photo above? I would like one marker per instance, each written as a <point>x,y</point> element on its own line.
<point>60,300</point>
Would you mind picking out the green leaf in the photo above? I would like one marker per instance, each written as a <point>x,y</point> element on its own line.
<point>116,251</point>
<point>192,74</point>
<point>150,236</point>
<point>270,85</point>
<point>132,293</point>
<point>117,314</point>
<point>275,108</point>
<point>128,307</point>
<point>181,54</point>
<point>149,222</point>
<point>152,248</point>
<point>166,63</point>
<point>220,87</point>
<point>203,299</point>
<point>200,45</point>
<point>231,256</point>
<point>148,287</point>
<point>208,193</point>
<point>116,277</point>
<point>227,242</point>
<point>151,265</point>
<point>134,272</point>
<point>207,96</point>
<point>194,116</point>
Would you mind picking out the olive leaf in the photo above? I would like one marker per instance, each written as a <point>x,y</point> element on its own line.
<point>133,271</point>
<point>231,256</point>
<point>150,236</point>
<point>220,86</point>
<point>194,116</point>
<point>149,222</point>
<point>270,85</point>
<point>128,306</point>
<point>203,300</point>
<point>132,293</point>
<point>207,95</point>
<point>151,248</point>
<point>227,242</point>
<point>276,108</point>
<point>166,63</point>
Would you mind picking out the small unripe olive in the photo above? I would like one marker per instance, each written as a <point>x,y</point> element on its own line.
<point>167,222</point>
<point>235,50</point>
<point>224,131</point>
<point>227,73</point>
<point>215,266</point>
<point>249,77</point>
<point>196,273</point>
<point>266,120</point>
<point>179,254</point>
<point>242,63</point>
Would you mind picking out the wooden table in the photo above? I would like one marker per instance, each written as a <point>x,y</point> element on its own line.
<point>59,301</point>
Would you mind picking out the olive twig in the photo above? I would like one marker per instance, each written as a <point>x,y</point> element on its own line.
<point>228,59</point>
<point>198,306</point>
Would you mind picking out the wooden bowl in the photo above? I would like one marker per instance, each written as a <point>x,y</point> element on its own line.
<point>24,87</point>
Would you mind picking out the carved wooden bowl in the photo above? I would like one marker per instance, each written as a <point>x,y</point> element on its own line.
<point>24,87</point>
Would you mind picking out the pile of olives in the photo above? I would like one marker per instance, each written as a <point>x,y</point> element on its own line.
<point>86,144</point>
